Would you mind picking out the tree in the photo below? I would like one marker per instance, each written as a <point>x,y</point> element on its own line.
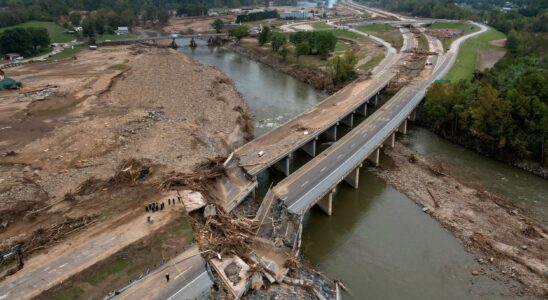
<point>163,16</point>
<point>150,13</point>
<point>88,27</point>
<point>324,43</point>
<point>277,39</point>
<point>264,35</point>
<point>302,48</point>
<point>239,32</point>
<point>75,19</point>
<point>342,67</point>
<point>17,40</point>
<point>39,36</point>
<point>218,25</point>
<point>284,51</point>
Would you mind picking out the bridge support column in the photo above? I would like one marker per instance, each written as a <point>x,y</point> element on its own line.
<point>353,178</point>
<point>310,147</point>
<point>403,127</point>
<point>348,120</point>
<point>413,115</point>
<point>331,133</point>
<point>376,99</point>
<point>326,203</point>
<point>391,140</point>
<point>374,157</point>
<point>283,165</point>
<point>362,110</point>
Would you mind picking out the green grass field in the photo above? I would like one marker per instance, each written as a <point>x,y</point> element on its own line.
<point>341,47</point>
<point>371,63</point>
<point>345,33</point>
<point>55,31</point>
<point>385,32</point>
<point>467,59</point>
<point>321,26</point>
<point>67,52</point>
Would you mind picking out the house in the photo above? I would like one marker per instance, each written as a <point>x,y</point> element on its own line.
<point>295,15</point>
<point>122,30</point>
<point>11,56</point>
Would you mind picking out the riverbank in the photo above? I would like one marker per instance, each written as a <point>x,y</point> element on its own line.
<point>318,77</point>
<point>507,242</point>
<point>476,145</point>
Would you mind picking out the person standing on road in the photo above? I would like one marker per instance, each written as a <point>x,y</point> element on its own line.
<point>167,277</point>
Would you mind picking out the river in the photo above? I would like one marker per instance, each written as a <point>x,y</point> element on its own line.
<point>378,242</point>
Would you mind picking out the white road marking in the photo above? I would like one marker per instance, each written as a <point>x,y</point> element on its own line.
<point>174,295</point>
<point>302,185</point>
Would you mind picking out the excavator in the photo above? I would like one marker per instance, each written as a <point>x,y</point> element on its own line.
<point>7,255</point>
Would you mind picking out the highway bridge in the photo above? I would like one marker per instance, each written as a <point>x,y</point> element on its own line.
<point>171,37</point>
<point>275,148</point>
<point>315,182</point>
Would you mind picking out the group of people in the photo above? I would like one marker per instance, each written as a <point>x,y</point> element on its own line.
<point>154,207</point>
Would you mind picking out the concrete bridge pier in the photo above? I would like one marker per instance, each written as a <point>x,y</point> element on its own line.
<point>391,140</point>
<point>376,99</point>
<point>331,133</point>
<point>348,120</point>
<point>310,147</point>
<point>283,165</point>
<point>413,116</point>
<point>353,178</point>
<point>403,127</point>
<point>326,203</point>
<point>374,157</point>
<point>362,109</point>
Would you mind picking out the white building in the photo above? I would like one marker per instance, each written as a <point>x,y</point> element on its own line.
<point>122,30</point>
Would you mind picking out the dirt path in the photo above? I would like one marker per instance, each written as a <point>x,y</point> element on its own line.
<point>509,244</point>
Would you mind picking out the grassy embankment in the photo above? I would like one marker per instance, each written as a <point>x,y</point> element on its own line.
<point>467,60</point>
<point>384,31</point>
<point>55,31</point>
<point>127,265</point>
<point>465,28</point>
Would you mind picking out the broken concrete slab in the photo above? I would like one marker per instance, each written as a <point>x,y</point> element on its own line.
<point>192,200</point>
<point>210,211</point>
<point>237,278</point>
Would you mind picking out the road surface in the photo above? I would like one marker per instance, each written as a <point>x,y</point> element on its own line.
<point>189,279</point>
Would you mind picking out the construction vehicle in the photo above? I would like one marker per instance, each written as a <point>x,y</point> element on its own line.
<point>7,255</point>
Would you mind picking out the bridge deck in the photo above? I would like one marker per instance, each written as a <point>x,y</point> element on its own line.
<point>290,136</point>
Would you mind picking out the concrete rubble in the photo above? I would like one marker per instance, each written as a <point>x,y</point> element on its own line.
<point>234,274</point>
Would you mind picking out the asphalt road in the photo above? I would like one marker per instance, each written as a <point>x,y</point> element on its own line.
<point>306,186</point>
<point>189,279</point>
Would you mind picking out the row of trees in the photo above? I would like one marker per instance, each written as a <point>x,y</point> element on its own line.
<point>255,16</point>
<point>314,42</point>
<point>531,15</point>
<point>25,41</point>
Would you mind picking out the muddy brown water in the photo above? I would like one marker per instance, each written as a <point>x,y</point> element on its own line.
<point>378,242</point>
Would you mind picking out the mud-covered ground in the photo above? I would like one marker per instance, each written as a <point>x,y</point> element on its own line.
<point>87,140</point>
<point>510,245</point>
